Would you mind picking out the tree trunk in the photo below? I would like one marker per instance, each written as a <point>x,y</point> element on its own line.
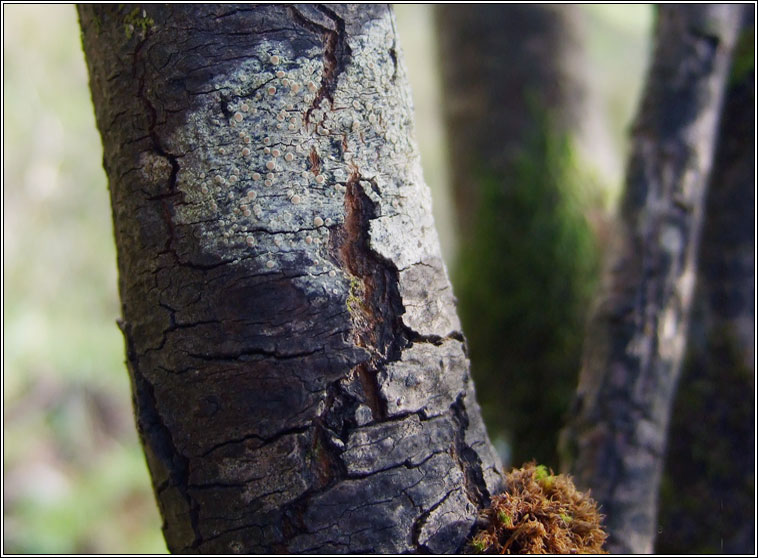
<point>708,489</point>
<point>617,436</point>
<point>515,103</point>
<point>504,66</point>
<point>299,375</point>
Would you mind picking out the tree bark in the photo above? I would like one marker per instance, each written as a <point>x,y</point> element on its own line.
<point>298,371</point>
<point>708,490</point>
<point>615,441</point>
<point>515,105</point>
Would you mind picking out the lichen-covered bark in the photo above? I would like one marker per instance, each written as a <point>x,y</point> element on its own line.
<point>515,108</point>
<point>299,375</point>
<point>617,435</point>
<point>708,488</point>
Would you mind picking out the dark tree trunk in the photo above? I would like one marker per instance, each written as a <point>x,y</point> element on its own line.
<point>299,376</point>
<point>635,342</point>
<point>515,103</point>
<point>708,490</point>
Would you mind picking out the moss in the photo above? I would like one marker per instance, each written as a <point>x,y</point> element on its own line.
<point>524,281</point>
<point>504,518</point>
<point>538,517</point>
<point>541,473</point>
<point>137,19</point>
<point>743,61</point>
<point>355,298</point>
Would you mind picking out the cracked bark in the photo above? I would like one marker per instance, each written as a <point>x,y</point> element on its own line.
<point>616,437</point>
<point>299,378</point>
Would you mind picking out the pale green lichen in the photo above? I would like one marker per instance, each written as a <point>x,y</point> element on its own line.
<point>264,170</point>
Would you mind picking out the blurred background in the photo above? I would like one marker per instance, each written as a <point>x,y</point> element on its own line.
<point>74,477</point>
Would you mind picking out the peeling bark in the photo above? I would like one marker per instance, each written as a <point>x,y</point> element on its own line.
<point>300,380</point>
<point>616,439</point>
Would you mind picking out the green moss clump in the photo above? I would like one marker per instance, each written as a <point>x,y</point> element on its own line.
<point>355,298</point>
<point>137,19</point>
<point>540,513</point>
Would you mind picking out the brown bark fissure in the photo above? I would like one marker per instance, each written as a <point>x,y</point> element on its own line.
<point>617,433</point>
<point>299,376</point>
<point>374,301</point>
<point>336,52</point>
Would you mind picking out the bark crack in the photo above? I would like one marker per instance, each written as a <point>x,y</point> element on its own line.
<point>469,460</point>
<point>156,436</point>
<point>237,355</point>
<point>264,440</point>
<point>421,520</point>
<point>374,302</point>
<point>172,159</point>
<point>337,53</point>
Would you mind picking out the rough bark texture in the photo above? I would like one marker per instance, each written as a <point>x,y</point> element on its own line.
<point>616,439</point>
<point>514,104</point>
<point>708,489</point>
<point>299,375</point>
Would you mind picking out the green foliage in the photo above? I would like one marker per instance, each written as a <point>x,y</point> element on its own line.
<point>69,517</point>
<point>524,283</point>
<point>743,62</point>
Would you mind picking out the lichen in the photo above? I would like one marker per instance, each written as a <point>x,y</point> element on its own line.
<point>540,513</point>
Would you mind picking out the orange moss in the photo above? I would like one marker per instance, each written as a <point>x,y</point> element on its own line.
<point>540,513</point>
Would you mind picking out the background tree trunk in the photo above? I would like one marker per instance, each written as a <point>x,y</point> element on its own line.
<point>515,106</point>
<point>299,376</point>
<point>616,439</point>
<point>708,488</point>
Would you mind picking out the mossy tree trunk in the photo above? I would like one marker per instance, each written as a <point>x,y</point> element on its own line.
<point>515,103</point>
<point>635,342</point>
<point>298,371</point>
<point>708,489</point>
